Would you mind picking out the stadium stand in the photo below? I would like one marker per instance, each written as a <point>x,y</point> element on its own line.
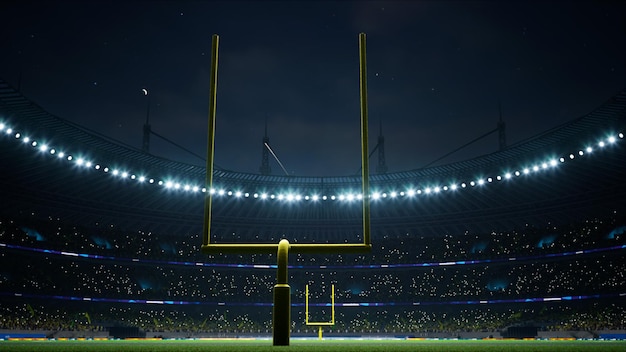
<point>94,239</point>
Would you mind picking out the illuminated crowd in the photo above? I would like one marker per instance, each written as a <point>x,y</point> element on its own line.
<point>51,279</point>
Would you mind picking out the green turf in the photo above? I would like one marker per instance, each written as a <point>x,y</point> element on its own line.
<point>313,346</point>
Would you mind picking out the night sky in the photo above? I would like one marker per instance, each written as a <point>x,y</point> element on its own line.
<point>436,73</point>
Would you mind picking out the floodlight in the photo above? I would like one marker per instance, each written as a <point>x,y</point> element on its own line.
<point>187,187</point>
<point>195,188</point>
<point>436,189</point>
<point>10,130</point>
<point>375,195</point>
<point>453,186</point>
<point>562,159</point>
<point>43,147</point>
<point>52,151</point>
<point>393,194</point>
<point>571,156</point>
<point>69,158</point>
<point>499,178</point>
<point>160,183</point>
<point>25,139</point>
<point>526,171</point>
<point>247,195</point>
<point>142,178</point>
<point>544,165</point>
<point>88,164</point>
<point>106,169</point>
<point>427,190</point>
<point>350,197</point>
<point>324,197</point>
<point>611,140</point>
<point>410,193</point>
<point>221,192</point>
<point>621,135</point>
<point>472,183</point>
<point>1,126</point>
<point>445,188</point>
<point>507,175</point>
<point>589,149</point>
<point>230,193</point>
<point>176,185</point>
<point>34,143</point>
<point>169,184</point>
<point>535,168</point>
<point>80,161</point>
<point>481,182</point>
<point>489,179</point>
<point>315,197</point>
<point>553,162</point>
<point>581,153</point>
<point>463,185</point>
<point>124,174</point>
<point>116,172</point>
<point>61,154</point>
<point>517,173</point>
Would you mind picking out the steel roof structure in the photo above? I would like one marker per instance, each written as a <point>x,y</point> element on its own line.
<point>34,181</point>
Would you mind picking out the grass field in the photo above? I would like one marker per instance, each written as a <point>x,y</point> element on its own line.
<point>313,346</point>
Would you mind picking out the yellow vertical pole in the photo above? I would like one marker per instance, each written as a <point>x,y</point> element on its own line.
<point>319,332</point>
<point>206,228</point>
<point>364,138</point>
<point>306,305</point>
<point>332,304</point>
<point>282,298</point>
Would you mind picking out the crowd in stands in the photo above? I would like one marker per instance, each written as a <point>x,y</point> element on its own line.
<point>409,298</point>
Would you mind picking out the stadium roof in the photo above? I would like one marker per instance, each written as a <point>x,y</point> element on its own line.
<point>414,202</point>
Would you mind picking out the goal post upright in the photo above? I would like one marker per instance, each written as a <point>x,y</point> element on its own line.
<point>319,324</point>
<point>206,228</point>
<point>282,292</point>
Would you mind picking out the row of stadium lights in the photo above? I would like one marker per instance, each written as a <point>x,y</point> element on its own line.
<point>290,197</point>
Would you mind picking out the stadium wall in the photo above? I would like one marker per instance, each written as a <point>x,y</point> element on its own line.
<point>566,334</point>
